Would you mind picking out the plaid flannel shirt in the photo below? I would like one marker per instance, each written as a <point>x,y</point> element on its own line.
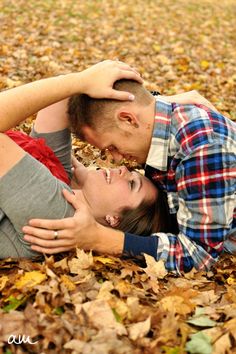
<point>193,158</point>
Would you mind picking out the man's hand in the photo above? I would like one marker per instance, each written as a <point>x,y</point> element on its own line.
<point>77,170</point>
<point>98,80</point>
<point>81,230</point>
<point>191,97</point>
<point>71,232</point>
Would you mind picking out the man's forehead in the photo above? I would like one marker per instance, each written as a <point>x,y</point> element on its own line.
<point>94,137</point>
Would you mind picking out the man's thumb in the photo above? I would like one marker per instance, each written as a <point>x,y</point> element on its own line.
<point>70,197</point>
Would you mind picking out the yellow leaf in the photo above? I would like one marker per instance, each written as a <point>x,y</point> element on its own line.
<point>30,279</point>
<point>3,281</point>
<point>67,282</point>
<point>231,280</point>
<point>205,64</point>
<point>176,304</point>
<point>156,48</point>
<point>104,260</point>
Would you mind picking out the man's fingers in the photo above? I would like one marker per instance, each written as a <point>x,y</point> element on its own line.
<point>48,243</point>
<point>49,224</point>
<point>51,250</point>
<point>71,198</point>
<point>40,233</point>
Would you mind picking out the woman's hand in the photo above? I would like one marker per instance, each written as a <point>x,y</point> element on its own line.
<point>191,97</point>
<point>98,80</point>
<point>54,236</point>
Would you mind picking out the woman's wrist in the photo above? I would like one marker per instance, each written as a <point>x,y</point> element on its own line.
<point>71,84</point>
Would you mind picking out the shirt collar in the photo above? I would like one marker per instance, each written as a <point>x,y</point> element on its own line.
<point>158,152</point>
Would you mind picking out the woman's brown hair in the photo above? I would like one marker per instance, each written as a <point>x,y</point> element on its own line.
<point>149,217</point>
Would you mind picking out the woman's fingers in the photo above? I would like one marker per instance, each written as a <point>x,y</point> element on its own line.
<point>127,67</point>
<point>101,77</point>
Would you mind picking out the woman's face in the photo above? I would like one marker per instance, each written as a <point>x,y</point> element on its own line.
<point>107,192</point>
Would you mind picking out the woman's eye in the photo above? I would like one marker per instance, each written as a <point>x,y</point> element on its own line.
<point>132,184</point>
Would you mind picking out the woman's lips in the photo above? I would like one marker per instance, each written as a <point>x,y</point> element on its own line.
<point>107,174</point>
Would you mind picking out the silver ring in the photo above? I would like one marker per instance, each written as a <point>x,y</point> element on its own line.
<point>56,235</point>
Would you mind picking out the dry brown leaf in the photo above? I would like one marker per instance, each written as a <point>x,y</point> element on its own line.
<point>140,329</point>
<point>155,270</point>
<point>101,316</point>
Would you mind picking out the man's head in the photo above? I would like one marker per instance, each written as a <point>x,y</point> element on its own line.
<point>122,127</point>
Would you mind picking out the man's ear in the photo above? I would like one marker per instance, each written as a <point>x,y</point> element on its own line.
<point>128,117</point>
<point>113,221</point>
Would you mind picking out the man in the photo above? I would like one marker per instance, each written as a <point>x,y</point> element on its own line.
<point>189,152</point>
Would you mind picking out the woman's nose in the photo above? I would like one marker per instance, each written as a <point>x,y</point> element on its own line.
<point>123,170</point>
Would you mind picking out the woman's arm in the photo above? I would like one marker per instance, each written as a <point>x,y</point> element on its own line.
<point>21,102</point>
<point>191,97</point>
<point>52,118</point>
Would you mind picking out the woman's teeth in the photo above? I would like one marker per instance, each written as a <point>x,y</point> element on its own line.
<point>108,175</point>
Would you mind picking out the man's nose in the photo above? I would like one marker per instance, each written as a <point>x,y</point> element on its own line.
<point>117,156</point>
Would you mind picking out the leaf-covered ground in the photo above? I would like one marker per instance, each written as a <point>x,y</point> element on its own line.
<point>84,303</point>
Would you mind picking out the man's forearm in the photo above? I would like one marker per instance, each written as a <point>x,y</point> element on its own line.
<point>104,240</point>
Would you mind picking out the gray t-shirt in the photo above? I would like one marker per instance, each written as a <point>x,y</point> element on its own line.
<point>29,190</point>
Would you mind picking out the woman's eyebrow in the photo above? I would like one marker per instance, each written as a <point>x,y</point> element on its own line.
<point>141,183</point>
<point>140,180</point>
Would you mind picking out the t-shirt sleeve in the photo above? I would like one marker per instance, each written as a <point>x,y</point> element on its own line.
<point>29,190</point>
<point>60,143</point>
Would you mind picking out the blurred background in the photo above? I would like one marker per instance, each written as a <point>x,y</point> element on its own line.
<point>176,45</point>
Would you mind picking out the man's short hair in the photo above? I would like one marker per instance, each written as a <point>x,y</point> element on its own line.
<point>98,114</point>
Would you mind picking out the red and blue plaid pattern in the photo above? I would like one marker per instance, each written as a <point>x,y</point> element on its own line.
<point>193,158</point>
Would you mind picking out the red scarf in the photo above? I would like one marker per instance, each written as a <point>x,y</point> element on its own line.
<point>37,148</point>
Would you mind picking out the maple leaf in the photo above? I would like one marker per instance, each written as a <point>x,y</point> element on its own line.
<point>154,269</point>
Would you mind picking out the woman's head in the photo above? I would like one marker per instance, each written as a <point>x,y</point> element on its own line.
<point>122,199</point>
<point>108,192</point>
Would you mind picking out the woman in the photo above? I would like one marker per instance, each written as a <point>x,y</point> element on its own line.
<point>28,189</point>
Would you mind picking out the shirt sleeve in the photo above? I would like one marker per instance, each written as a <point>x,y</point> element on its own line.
<point>206,185</point>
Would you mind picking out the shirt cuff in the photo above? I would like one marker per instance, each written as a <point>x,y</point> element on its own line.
<point>137,245</point>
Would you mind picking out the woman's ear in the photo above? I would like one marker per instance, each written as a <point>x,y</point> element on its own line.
<point>113,221</point>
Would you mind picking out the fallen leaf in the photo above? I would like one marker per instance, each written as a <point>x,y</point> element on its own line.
<point>176,304</point>
<point>140,329</point>
<point>199,344</point>
<point>3,282</point>
<point>99,309</point>
<point>199,319</point>
<point>30,279</point>
<point>155,270</point>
